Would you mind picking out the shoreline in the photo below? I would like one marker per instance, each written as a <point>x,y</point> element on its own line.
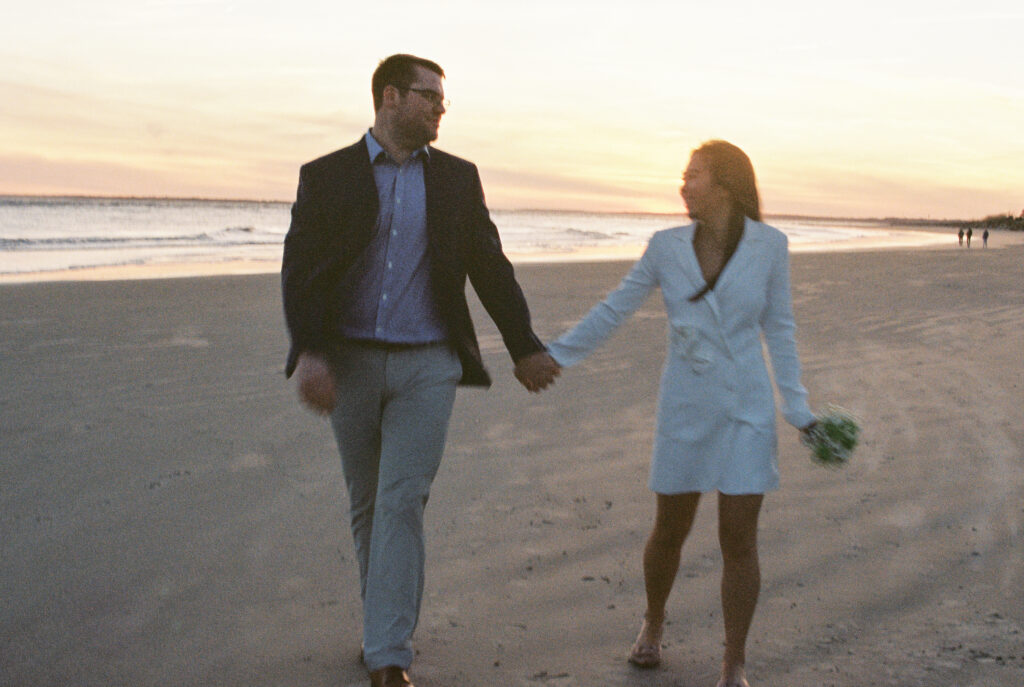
<point>923,222</point>
<point>902,238</point>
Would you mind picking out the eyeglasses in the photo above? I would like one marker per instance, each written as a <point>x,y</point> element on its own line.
<point>432,97</point>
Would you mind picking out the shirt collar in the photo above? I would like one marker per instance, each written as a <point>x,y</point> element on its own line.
<point>376,149</point>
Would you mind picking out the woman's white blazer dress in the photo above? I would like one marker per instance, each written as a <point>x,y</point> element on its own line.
<point>716,409</point>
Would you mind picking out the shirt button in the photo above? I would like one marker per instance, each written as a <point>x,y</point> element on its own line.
<point>384,297</point>
<point>394,232</point>
<point>389,264</point>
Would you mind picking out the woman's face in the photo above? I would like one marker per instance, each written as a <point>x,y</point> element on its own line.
<point>699,190</point>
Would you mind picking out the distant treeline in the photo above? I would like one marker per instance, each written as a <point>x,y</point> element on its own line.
<point>999,222</point>
<point>1006,221</point>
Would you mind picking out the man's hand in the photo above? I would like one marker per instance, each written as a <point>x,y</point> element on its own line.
<point>315,383</point>
<point>537,371</point>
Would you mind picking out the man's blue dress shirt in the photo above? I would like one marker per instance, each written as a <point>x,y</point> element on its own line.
<point>390,296</point>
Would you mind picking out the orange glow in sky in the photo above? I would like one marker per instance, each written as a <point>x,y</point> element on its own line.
<point>871,109</point>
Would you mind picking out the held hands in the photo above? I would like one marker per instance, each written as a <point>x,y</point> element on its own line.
<point>315,383</point>
<point>537,371</point>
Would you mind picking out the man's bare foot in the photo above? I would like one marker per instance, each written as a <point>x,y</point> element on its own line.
<point>646,650</point>
<point>733,676</point>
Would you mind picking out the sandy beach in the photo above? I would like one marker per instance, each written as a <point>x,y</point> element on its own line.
<point>169,515</point>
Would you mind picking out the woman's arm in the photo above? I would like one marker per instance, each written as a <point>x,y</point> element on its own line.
<point>594,329</point>
<point>779,329</point>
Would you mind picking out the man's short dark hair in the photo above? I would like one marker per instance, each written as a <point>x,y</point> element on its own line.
<point>398,71</point>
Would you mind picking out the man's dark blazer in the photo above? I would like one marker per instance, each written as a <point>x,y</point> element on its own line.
<point>333,222</point>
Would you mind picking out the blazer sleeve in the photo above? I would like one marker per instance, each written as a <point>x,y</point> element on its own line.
<point>605,317</point>
<point>779,329</point>
<point>493,277</point>
<point>302,311</point>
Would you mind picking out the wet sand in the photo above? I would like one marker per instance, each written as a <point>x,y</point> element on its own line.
<point>169,515</point>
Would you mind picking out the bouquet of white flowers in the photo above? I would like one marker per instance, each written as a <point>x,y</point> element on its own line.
<point>833,438</point>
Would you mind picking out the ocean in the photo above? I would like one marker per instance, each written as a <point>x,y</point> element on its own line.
<point>46,234</point>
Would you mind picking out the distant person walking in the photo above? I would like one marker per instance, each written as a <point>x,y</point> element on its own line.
<point>960,235</point>
<point>970,233</point>
<point>984,239</point>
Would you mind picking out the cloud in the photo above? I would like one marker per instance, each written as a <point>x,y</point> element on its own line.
<point>38,175</point>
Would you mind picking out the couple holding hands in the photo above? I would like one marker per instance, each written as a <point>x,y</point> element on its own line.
<point>384,234</point>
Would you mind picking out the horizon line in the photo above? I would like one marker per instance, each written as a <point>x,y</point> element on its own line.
<point>777,215</point>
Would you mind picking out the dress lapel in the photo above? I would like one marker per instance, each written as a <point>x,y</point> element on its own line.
<point>745,251</point>
<point>734,264</point>
<point>688,258</point>
<point>691,269</point>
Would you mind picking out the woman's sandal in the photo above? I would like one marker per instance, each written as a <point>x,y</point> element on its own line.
<point>646,650</point>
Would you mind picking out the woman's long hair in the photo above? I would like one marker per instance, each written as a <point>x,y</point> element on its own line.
<point>731,168</point>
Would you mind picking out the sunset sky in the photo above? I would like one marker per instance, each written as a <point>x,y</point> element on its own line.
<point>867,109</point>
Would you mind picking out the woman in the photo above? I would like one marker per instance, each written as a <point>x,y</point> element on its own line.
<point>725,282</point>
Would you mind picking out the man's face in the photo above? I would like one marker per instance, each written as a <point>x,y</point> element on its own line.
<point>420,107</point>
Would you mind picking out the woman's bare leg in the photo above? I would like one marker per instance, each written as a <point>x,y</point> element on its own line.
<point>741,579</point>
<point>672,522</point>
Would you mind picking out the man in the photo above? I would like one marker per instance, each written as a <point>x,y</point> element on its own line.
<point>383,235</point>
